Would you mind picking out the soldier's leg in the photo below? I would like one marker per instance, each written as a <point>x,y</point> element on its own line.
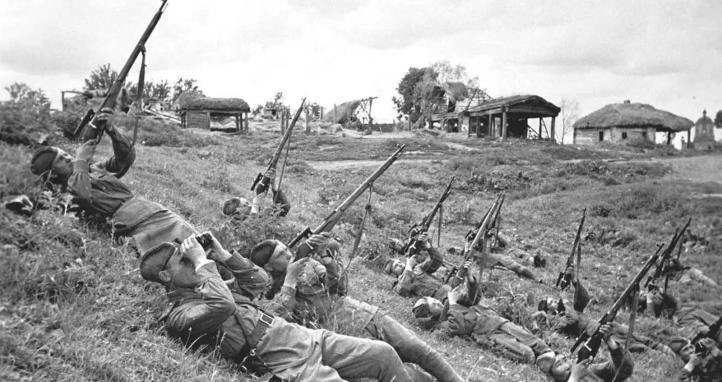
<point>411,348</point>
<point>356,357</point>
<point>507,346</point>
<point>509,263</point>
<point>522,335</point>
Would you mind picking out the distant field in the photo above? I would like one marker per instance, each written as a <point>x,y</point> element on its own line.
<point>75,308</point>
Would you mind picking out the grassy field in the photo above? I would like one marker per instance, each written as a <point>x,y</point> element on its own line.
<point>74,306</point>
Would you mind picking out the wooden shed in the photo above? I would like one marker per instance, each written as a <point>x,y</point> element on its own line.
<point>508,116</point>
<point>198,111</point>
<point>627,121</point>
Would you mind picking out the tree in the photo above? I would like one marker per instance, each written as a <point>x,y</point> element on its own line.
<point>188,86</point>
<point>159,91</point>
<point>101,78</point>
<point>408,103</point>
<point>570,113</point>
<point>32,100</point>
<point>718,119</point>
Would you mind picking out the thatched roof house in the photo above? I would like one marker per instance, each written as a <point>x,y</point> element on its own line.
<point>196,111</point>
<point>620,122</point>
<point>343,113</point>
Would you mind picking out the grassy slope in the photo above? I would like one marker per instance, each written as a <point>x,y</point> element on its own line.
<point>75,307</point>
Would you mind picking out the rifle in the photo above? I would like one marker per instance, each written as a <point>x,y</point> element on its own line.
<point>594,341</point>
<point>666,255</point>
<point>262,182</point>
<point>423,226</point>
<point>333,218</point>
<point>114,91</point>
<point>473,237</point>
<point>712,333</point>
<point>565,279</point>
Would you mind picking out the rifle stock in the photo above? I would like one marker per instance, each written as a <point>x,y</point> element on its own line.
<point>262,183</point>
<point>423,226</point>
<point>114,91</point>
<point>333,218</point>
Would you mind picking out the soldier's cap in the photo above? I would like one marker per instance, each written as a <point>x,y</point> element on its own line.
<point>42,160</point>
<point>155,259</point>
<point>263,251</point>
<point>427,307</point>
<point>678,343</point>
<point>232,205</point>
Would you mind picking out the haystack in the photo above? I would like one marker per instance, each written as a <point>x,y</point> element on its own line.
<point>342,113</point>
<point>629,114</point>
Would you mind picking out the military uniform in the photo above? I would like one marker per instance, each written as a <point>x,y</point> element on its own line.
<point>320,299</point>
<point>488,329</point>
<point>211,314</point>
<point>98,191</point>
<point>418,283</point>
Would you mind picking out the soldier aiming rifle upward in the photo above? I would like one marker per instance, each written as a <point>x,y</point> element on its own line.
<point>92,127</point>
<point>570,272</point>
<point>666,260</point>
<point>591,343</point>
<point>333,218</point>
<point>413,245</point>
<point>263,181</point>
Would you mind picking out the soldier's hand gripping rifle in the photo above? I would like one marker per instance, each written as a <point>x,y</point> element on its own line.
<point>423,226</point>
<point>565,277</point>
<point>262,182</point>
<point>592,342</point>
<point>333,218</point>
<point>475,238</point>
<point>666,256</point>
<point>89,119</point>
<point>712,333</point>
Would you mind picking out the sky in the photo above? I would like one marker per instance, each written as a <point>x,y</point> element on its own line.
<point>665,53</point>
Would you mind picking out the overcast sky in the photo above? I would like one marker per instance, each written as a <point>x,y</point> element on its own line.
<point>666,53</point>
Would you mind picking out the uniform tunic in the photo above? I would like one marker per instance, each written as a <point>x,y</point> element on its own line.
<point>211,314</point>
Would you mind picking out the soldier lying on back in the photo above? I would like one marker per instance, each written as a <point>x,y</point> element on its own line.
<point>240,208</point>
<point>703,363</point>
<point>98,191</point>
<point>205,312</point>
<point>485,326</point>
<point>569,319</point>
<point>413,280</point>
<point>689,320</point>
<point>319,299</point>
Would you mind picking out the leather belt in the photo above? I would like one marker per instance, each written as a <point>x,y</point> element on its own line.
<point>249,348</point>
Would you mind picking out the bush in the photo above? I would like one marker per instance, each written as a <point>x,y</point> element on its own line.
<point>26,126</point>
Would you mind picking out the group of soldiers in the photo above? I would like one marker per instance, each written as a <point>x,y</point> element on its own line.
<point>278,312</point>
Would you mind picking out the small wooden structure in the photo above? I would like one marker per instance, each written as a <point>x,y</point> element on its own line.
<point>509,117</point>
<point>627,121</point>
<point>198,111</point>
<point>703,133</point>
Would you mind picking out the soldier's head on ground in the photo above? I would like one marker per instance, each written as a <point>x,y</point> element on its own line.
<point>394,267</point>
<point>272,255</point>
<point>551,305</point>
<point>171,265</point>
<point>428,307</point>
<point>662,304</point>
<point>682,347</point>
<point>52,163</point>
<point>238,208</point>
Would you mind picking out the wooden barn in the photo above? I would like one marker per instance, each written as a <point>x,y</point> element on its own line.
<point>199,111</point>
<point>627,121</point>
<point>509,117</point>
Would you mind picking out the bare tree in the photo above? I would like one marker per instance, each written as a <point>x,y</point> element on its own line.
<point>570,113</point>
